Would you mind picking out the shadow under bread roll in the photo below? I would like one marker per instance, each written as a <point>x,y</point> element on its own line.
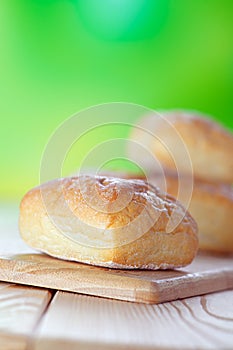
<point>211,206</point>
<point>209,145</point>
<point>110,222</point>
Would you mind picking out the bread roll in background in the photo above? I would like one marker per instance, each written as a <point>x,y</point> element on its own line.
<point>54,218</point>
<point>209,145</point>
<point>211,206</point>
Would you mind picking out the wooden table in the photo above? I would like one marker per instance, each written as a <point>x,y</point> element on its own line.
<point>34,318</point>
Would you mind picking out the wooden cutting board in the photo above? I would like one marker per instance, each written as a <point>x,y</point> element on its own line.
<point>206,274</point>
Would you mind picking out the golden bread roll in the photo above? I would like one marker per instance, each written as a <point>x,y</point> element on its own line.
<point>108,222</point>
<point>212,207</point>
<point>209,145</point>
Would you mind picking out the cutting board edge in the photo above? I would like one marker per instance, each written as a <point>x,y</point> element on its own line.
<point>132,289</point>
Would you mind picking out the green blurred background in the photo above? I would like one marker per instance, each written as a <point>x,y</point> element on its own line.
<point>59,56</point>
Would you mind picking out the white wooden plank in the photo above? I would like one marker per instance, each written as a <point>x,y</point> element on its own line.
<point>20,310</point>
<point>10,240</point>
<point>85,322</point>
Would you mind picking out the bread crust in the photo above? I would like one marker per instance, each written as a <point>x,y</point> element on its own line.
<point>211,206</point>
<point>42,210</point>
<point>208,144</point>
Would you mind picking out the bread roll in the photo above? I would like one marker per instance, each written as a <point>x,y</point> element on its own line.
<point>108,222</point>
<point>209,145</point>
<point>212,207</point>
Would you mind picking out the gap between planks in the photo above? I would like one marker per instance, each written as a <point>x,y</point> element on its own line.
<point>79,322</point>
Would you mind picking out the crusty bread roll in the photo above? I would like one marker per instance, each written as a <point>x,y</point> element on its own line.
<point>108,222</point>
<point>209,145</point>
<point>212,207</point>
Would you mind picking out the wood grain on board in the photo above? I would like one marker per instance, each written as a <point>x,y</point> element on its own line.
<point>20,310</point>
<point>204,322</point>
<point>206,274</point>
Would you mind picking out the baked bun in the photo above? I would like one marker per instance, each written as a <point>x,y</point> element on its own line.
<point>108,222</point>
<point>209,145</point>
<point>212,207</point>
